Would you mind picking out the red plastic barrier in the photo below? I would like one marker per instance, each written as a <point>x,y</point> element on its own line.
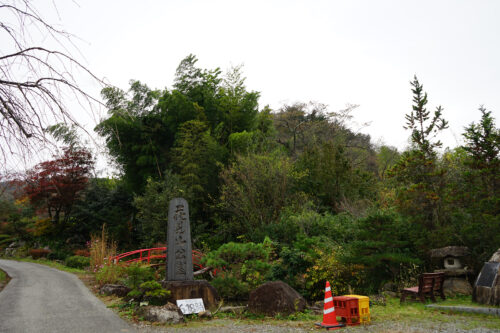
<point>347,308</point>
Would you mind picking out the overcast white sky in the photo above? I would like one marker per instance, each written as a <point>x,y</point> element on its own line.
<point>333,52</point>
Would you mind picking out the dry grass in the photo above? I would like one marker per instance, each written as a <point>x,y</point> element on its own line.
<point>101,249</point>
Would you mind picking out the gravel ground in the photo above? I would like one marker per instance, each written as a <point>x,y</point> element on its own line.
<point>224,325</point>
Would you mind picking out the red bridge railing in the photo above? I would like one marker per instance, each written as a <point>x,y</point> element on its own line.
<point>153,253</point>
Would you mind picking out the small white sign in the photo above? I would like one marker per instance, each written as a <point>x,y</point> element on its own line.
<point>189,306</point>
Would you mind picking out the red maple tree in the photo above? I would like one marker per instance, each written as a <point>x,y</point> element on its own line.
<point>55,185</point>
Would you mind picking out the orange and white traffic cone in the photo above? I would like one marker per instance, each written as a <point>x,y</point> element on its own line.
<point>329,317</point>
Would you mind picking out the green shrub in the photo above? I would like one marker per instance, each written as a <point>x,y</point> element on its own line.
<point>230,288</point>
<point>135,274</point>
<point>58,255</point>
<point>110,274</point>
<point>344,278</point>
<point>382,245</point>
<point>154,293</point>
<point>295,260</point>
<point>77,262</point>
<point>135,294</point>
<point>151,292</point>
<point>242,266</point>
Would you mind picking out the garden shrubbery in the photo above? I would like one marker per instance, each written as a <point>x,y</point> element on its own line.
<point>110,274</point>
<point>241,267</point>
<point>77,262</point>
<point>135,274</point>
<point>59,254</point>
<point>154,293</point>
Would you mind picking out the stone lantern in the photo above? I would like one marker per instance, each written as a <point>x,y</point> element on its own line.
<point>452,263</point>
<point>451,259</point>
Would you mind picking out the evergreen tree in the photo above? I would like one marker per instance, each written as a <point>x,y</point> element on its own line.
<point>418,179</point>
<point>423,128</point>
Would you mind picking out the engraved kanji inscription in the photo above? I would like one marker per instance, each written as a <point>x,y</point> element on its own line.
<point>179,248</point>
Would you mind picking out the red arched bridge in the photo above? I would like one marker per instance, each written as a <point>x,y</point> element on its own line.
<point>146,255</point>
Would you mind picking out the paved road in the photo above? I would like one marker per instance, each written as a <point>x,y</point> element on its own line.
<point>42,299</point>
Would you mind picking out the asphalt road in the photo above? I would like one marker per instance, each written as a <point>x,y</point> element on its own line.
<point>42,299</point>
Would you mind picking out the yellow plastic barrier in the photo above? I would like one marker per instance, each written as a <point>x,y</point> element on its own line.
<point>363,308</point>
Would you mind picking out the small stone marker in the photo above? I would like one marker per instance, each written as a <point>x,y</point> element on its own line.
<point>189,306</point>
<point>179,248</point>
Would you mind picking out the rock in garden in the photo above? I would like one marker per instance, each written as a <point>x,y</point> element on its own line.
<point>168,313</point>
<point>316,308</point>
<point>205,314</point>
<point>114,289</point>
<point>389,286</point>
<point>496,256</point>
<point>453,286</point>
<point>275,297</point>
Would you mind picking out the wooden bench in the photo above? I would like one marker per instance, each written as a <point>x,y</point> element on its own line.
<point>429,284</point>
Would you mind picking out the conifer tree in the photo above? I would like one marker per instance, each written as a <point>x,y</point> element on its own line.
<point>418,179</point>
<point>423,128</point>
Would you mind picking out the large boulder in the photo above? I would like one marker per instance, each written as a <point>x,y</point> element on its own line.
<point>275,297</point>
<point>453,286</point>
<point>168,313</point>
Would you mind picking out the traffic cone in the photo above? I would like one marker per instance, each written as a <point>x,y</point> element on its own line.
<point>329,317</point>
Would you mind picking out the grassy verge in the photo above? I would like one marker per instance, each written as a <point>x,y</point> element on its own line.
<point>416,312</point>
<point>464,301</point>
<point>4,279</point>
<point>52,264</point>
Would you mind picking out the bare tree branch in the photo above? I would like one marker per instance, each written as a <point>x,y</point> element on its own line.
<point>38,85</point>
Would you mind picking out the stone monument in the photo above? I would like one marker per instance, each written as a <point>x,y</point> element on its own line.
<point>179,271</point>
<point>179,250</point>
<point>487,285</point>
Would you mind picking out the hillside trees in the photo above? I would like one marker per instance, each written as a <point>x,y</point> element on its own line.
<point>107,202</point>
<point>151,206</point>
<point>186,129</point>
<point>196,158</point>
<point>255,189</point>
<point>134,135</point>
<point>302,125</point>
<point>329,176</point>
<point>483,147</point>
<point>480,202</point>
<point>151,120</point>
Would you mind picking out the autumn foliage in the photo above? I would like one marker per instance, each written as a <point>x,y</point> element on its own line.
<point>54,186</point>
